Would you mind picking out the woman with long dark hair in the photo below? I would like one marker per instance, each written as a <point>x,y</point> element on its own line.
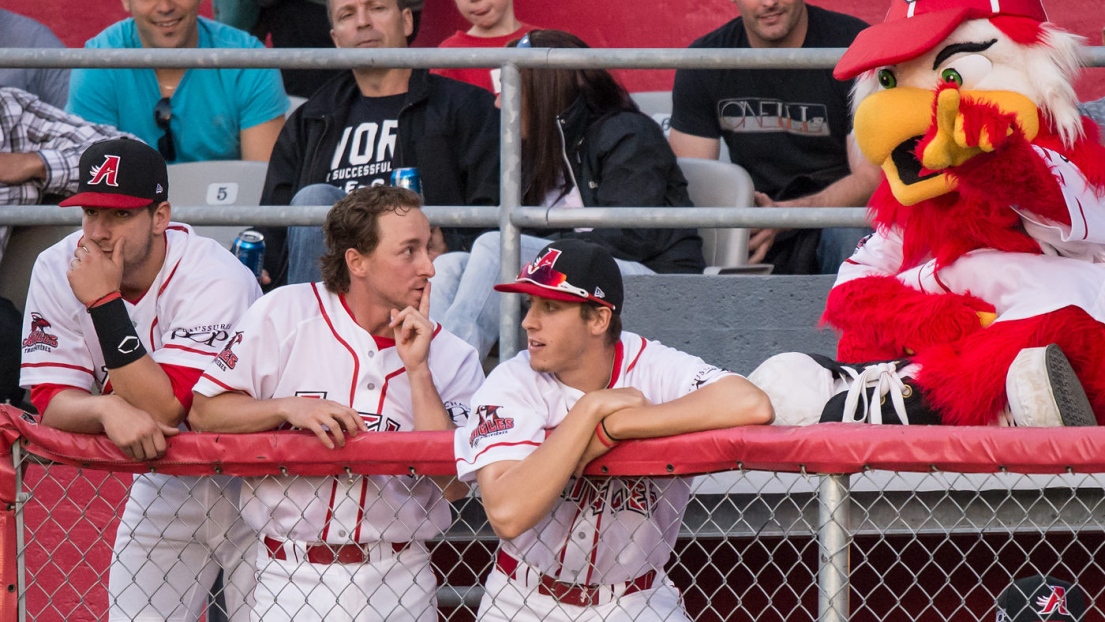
<point>584,144</point>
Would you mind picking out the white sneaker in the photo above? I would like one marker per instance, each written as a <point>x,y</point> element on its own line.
<point>798,387</point>
<point>810,388</point>
<point>1043,390</point>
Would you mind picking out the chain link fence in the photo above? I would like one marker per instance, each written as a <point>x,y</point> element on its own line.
<point>766,540</point>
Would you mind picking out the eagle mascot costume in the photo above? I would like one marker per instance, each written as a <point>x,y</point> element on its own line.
<point>982,291</point>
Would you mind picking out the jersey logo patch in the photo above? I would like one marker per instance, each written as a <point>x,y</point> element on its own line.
<point>491,424</point>
<point>207,334</point>
<point>106,173</point>
<point>38,338</point>
<point>637,495</point>
<point>379,423</point>
<point>705,375</point>
<point>226,358</point>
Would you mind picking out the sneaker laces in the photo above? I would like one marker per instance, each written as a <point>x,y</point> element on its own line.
<point>884,378</point>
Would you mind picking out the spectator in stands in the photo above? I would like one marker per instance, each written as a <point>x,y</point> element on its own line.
<point>51,85</point>
<point>190,114</point>
<point>584,144</point>
<point>348,547</point>
<point>493,26</point>
<point>40,146</point>
<point>292,24</point>
<point>122,317</point>
<point>369,121</point>
<point>575,547</point>
<point>790,129</point>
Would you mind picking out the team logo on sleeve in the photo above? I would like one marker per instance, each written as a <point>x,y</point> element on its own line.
<point>106,173</point>
<point>491,424</point>
<point>226,359</point>
<point>39,338</point>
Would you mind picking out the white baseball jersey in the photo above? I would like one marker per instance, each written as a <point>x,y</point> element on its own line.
<point>184,319</point>
<point>302,340</point>
<point>187,527</point>
<point>1071,270</point>
<point>602,530</point>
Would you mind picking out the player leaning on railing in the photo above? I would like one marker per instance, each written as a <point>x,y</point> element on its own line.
<point>121,318</point>
<point>353,353</point>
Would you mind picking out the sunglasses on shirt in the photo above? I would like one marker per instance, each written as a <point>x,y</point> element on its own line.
<point>162,114</point>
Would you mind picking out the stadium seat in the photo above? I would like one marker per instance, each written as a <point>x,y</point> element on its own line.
<point>217,182</point>
<point>720,184</point>
<point>657,104</point>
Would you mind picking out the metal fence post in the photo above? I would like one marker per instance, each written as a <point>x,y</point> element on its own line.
<point>510,193</point>
<point>833,543</point>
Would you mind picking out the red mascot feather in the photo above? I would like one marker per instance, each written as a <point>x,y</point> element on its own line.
<point>990,236</point>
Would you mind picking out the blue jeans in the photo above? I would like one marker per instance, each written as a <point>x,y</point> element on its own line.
<point>837,244</point>
<point>306,244</point>
<point>462,299</point>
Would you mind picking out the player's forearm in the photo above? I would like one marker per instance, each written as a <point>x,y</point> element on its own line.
<point>426,405</point>
<point>77,411</point>
<point>235,413</point>
<point>731,401</point>
<point>144,385</point>
<point>518,495</point>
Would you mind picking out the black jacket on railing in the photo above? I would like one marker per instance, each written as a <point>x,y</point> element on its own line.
<point>449,130</point>
<point>623,160</point>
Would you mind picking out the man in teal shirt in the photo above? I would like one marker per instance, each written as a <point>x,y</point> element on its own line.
<point>189,114</point>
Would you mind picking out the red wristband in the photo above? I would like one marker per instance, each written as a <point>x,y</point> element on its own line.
<point>604,436</point>
<point>104,299</point>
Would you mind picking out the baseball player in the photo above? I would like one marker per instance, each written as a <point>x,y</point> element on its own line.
<point>121,319</point>
<point>353,353</point>
<point>583,548</point>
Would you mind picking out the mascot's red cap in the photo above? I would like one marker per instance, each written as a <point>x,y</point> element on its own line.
<point>913,27</point>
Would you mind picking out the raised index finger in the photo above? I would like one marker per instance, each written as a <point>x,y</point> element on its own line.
<point>424,304</point>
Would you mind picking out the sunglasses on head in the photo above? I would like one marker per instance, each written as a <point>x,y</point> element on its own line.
<point>162,114</point>
<point>524,42</point>
<point>545,276</point>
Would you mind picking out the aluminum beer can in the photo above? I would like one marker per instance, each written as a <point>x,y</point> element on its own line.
<point>249,248</point>
<point>408,178</point>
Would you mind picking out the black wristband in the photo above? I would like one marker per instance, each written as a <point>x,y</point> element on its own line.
<point>118,339</point>
<point>603,424</point>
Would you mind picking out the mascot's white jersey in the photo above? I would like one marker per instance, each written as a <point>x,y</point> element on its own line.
<point>302,340</point>
<point>601,530</point>
<point>1071,270</point>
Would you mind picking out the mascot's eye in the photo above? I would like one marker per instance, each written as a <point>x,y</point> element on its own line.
<point>951,75</point>
<point>887,79</point>
<point>967,71</point>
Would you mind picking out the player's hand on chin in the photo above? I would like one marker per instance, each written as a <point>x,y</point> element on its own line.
<point>134,431</point>
<point>413,332</point>
<point>93,273</point>
<point>325,418</point>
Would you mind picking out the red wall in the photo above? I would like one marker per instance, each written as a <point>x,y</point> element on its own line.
<point>606,23</point>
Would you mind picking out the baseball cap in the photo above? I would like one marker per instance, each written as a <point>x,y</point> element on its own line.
<point>1033,599</point>
<point>913,27</point>
<point>121,173</point>
<point>572,271</point>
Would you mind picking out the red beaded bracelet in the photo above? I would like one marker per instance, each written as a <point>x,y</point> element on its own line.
<point>604,436</point>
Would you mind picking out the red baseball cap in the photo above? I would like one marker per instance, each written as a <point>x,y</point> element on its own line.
<point>913,27</point>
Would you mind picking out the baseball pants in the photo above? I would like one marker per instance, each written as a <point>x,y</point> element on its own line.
<point>390,586</point>
<point>175,535</point>
<point>517,600</point>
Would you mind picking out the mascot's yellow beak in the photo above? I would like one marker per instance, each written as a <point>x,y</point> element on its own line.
<point>890,124</point>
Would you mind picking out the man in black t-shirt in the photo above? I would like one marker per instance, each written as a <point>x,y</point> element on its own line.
<point>363,124</point>
<point>790,129</point>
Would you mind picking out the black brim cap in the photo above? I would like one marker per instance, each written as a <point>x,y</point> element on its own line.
<point>1040,598</point>
<point>120,173</point>
<point>571,270</point>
